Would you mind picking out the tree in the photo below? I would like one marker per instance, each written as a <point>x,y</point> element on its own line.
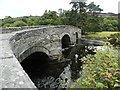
<point>77,16</point>
<point>50,15</point>
<point>84,16</point>
<point>94,19</point>
<point>109,24</point>
<point>8,17</point>
<point>94,9</point>
<point>119,22</point>
<point>51,18</point>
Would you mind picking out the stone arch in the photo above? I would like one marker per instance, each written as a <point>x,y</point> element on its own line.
<point>65,41</point>
<point>32,50</point>
<point>63,34</point>
<point>35,64</point>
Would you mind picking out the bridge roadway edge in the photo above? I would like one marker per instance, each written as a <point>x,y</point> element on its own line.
<point>12,74</point>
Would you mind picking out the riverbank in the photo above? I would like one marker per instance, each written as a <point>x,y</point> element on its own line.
<point>98,35</point>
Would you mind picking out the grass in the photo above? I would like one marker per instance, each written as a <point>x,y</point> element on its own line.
<point>103,34</point>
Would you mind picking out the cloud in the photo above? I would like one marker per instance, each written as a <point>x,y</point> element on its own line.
<point>107,5</point>
<point>30,7</point>
<point>119,7</point>
<point>16,8</point>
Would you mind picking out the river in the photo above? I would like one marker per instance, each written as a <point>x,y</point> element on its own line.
<point>61,74</point>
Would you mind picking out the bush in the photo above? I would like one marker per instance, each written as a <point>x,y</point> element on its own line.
<point>19,23</point>
<point>114,39</point>
<point>101,70</point>
<point>7,25</point>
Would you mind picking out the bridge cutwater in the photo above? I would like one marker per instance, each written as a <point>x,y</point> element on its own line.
<point>18,43</point>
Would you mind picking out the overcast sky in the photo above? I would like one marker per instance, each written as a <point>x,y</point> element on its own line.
<point>17,8</point>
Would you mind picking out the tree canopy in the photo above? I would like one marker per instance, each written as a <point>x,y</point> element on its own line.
<point>86,17</point>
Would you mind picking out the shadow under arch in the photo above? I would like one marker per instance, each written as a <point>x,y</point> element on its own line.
<point>76,33</point>
<point>35,61</point>
<point>65,41</point>
<point>31,50</point>
<point>36,64</point>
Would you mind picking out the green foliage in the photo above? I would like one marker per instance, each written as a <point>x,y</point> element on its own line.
<point>19,23</point>
<point>48,18</point>
<point>119,21</point>
<point>103,34</point>
<point>110,23</point>
<point>114,39</point>
<point>84,16</point>
<point>101,70</point>
<point>59,58</point>
<point>7,22</point>
<point>7,25</point>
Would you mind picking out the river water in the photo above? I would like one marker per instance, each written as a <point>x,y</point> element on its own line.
<point>62,74</point>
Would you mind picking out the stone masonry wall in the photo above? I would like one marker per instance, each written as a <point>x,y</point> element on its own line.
<point>49,38</point>
<point>13,29</point>
<point>16,46</point>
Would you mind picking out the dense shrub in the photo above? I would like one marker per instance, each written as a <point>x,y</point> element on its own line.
<point>101,70</point>
<point>19,23</point>
<point>114,39</point>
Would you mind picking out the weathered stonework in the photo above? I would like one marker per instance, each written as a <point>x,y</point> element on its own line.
<point>16,46</point>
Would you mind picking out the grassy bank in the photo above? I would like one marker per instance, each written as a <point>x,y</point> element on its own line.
<point>103,34</point>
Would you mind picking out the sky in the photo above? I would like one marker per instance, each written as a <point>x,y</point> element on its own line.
<point>18,8</point>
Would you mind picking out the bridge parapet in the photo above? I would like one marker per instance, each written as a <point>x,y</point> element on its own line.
<point>13,29</point>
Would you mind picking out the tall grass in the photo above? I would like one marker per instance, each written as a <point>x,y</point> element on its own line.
<point>103,34</point>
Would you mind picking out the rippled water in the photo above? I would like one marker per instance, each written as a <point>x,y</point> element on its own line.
<point>63,81</point>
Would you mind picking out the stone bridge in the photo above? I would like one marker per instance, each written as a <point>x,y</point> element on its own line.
<point>18,45</point>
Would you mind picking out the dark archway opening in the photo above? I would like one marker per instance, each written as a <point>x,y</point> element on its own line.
<point>76,37</point>
<point>65,41</point>
<point>66,45</point>
<point>36,64</point>
<point>42,70</point>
